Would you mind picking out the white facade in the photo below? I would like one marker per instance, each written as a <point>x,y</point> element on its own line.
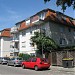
<point>25,42</point>
<point>14,43</point>
<point>4,47</point>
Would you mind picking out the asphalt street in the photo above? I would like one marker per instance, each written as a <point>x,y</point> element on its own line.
<point>10,70</point>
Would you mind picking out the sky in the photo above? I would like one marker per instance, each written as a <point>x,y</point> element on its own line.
<point>14,11</point>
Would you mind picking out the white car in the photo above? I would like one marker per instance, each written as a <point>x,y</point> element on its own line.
<point>15,61</point>
<point>4,60</point>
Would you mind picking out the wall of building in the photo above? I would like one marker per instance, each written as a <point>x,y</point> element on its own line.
<point>56,33</point>
<point>53,30</point>
<point>24,41</point>
<point>0,46</point>
<point>6,47</point>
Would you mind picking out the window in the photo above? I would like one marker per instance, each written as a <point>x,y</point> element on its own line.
<point>11,46</point>
<point>34,60</point>
<point>31,44</point>
<point>11,54</point>
<point>24,44</point>
<point>64,18</point>
<point>42,15</point>
<point>28,22</point>
<point>16,44</point>
<point>70,41</point>
<point>59,15</point>
<point>62,29</point>
<point>16,35</point>
<point>12,58</point>
<point>69,29</point>
<point>30,32</point>
<point>29,60</point>
<point>32,54</point>
<point>23,33</point>
<point>62,41</point>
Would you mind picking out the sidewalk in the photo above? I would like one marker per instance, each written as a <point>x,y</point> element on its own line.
<point>57,68</point>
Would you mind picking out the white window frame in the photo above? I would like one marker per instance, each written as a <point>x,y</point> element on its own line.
<point>62,41</point>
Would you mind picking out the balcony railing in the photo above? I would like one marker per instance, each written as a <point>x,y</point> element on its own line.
<point>38,19</point>
<point>15,39</point>
<point>14,29</point>
<point>14,50</point>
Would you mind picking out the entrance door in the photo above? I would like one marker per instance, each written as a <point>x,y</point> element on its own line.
<point>54,58</point>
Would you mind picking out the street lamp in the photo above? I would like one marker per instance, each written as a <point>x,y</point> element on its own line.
<point>43,32</point>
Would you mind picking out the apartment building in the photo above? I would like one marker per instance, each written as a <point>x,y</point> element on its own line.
<point>5,38</point>
<point>14,43</point>
<point>59,27</point>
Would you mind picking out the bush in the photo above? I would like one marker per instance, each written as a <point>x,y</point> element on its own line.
<point>24,56</point>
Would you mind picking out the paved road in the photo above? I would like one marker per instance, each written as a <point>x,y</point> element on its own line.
<point>10,70</point>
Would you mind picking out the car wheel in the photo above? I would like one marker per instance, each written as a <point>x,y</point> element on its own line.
<point>14,65</point>
<point>23,66</point>
<point>2,63</point>
<point>7,64</point>
<point>36,68</point>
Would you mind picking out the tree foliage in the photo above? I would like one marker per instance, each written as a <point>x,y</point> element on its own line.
<point>64,3</point>
<point>43,42</point>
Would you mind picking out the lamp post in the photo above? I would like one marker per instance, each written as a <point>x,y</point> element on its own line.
<point>43,33</point>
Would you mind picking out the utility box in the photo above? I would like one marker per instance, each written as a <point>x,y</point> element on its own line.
<point>68,63</point>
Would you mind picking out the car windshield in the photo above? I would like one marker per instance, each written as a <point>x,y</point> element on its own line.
<point>44,60</point>
<point>19,58</point>
<point>6,58</point>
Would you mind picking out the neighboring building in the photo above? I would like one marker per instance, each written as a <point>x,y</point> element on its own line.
<point>5,38</point>
<point>56,25</point>
<point>14,44</point>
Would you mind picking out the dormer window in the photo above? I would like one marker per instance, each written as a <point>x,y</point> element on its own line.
<point>59,15</point>
<point>27,21</point>
<point>63,17</point>
<point>42,15</point>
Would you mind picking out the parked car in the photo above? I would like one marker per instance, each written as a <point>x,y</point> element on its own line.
<point>36,63</point>
<point>3,60</point>
<point>15,61</point>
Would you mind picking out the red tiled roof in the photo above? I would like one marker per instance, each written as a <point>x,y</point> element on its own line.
<point>51,15</point>
<point>24,26</point>
<point>5,33</point>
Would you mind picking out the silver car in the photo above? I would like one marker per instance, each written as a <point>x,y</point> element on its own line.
<point>3,60</point>
<point>16,61</point>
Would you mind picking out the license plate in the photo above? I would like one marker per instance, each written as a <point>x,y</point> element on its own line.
<point>45,63</point>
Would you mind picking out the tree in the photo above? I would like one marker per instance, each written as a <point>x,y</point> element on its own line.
<point>43,42</point>
<point>64,3</point>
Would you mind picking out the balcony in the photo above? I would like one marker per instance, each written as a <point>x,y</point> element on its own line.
<point>14,29</point>
<point>14,50</point>
<point>15,39</point>
<point>38,22</point>
<point>0,33</point>
<point>38,19</point>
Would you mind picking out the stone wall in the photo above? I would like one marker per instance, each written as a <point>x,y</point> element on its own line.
<point>60,55</point>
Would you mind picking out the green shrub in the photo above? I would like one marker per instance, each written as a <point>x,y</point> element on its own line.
<point>24,56</point>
